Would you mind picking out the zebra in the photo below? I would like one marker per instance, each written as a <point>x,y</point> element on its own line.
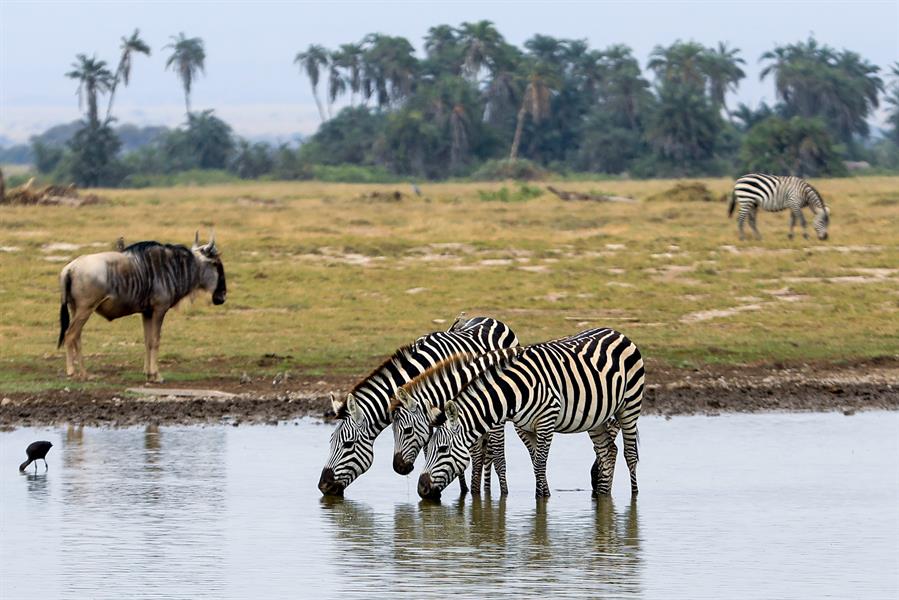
<point>775,193</point>
<point>410,409</point>
<point>147,278</point>
<point>566,386</point>
<point>365,412</point>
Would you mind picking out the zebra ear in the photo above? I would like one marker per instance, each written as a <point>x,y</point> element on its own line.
<point>335,405</point>
<point>405,398</point>
<point>352,408</point>
<point>452,414</point>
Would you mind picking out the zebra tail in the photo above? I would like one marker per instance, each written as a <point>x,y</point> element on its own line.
<point>732,204</point>
<point>64,309</point>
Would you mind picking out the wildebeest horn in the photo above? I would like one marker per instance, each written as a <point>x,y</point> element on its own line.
<point>212,239</point>
<point>197,239</point>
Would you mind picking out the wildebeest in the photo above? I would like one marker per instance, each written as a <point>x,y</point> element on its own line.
<point>147,278</point>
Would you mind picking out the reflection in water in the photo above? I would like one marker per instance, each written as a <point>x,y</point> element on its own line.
<point>38,490</point>
<point>476,544</point>
<point>130,508</point>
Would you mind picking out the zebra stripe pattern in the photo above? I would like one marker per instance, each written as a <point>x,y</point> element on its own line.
<point>412,406</point>
<point>568,386</point>
<point>774,193</point>
<point>366,411</point>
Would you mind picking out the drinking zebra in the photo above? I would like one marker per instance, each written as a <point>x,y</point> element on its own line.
<point>365,412</point>
<point>566,386</point>
<point>774,193</point>
<point>410,409</point>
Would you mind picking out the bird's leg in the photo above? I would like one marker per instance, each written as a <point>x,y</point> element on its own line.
<point>46,466</point>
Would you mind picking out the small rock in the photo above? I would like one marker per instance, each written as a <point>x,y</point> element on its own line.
<point>245,379</point>
<point>849,412</point>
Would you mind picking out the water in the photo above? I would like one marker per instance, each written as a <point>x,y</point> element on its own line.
<point>759,506</point>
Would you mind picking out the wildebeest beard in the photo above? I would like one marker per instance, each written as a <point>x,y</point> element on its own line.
<point>157,273</point>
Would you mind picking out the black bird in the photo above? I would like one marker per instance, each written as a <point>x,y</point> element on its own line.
<point>36,451</point>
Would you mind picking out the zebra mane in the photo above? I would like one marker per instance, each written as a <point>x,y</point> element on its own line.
<point>401,352</point>
<point>446,365</point>
<point>511,354</point>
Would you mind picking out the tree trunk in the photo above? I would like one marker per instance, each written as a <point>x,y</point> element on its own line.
<point>318,103</point>
<point>187,103</point>
<point>513,153</point>
<point>111,96</point>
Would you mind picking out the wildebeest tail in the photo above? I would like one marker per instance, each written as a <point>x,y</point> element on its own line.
<point>64,307</point>
<point>732,204</point>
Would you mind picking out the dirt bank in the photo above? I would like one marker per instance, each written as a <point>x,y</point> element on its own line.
<point>867,385</point>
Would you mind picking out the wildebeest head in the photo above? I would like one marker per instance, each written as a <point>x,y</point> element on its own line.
<point>212,273</point>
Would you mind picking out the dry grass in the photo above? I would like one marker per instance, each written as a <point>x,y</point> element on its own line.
<point>335,281</point>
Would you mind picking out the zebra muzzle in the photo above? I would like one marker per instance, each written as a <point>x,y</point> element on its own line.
<point>426,488</point>
<point>328,486</point>
<point>400,465</point>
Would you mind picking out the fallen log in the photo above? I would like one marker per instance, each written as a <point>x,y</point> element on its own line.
<point>569,196</point>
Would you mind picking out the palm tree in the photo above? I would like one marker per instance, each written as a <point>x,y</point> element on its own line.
<point>349,58</point>
<point>480,42</point>
<point>93,78</point>
<point>389,69</point>
<point>189,58</point>
<point>723,71</point>
<point>681,63</point>
<point>535,102</point>
<point>336,83</point>
<point>312,60</point>
<point>129,47</point>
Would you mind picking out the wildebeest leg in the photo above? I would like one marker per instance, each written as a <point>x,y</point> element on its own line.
<point>147,317</point>
<point>158,316</point>
<point>72,341</point>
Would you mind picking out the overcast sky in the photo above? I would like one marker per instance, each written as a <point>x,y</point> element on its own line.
<point>251,80</point>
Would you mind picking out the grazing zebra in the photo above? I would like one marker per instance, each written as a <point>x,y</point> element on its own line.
<point>774,193</point>
<point>147,278</point>
<point>366,411</point>
<point>566,386</point>
<point>410,410</point>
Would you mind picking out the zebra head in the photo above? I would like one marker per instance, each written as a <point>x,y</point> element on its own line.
<point>411,429</point>
<point>212,273</point>
<point>446,454</point>
<point>822,220</point>
<point>352,449</point>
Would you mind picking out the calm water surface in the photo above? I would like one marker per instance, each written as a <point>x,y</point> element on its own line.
<point>748,506</point>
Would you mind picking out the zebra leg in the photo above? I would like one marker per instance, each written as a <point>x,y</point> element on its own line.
<point>488,463</point>
<point>741,219</point>
<point>792,224</point>
<point>477,462</point>
<point>497,449</point>
<point>629,433</point>
<point>463,487</point>
<point>544,436</point>
<point>528,438</point>
<point>803,223</point>
<point>603,470</point>
<point>755,230</point>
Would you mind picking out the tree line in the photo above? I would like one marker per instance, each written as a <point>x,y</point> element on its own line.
<point>476,105</point>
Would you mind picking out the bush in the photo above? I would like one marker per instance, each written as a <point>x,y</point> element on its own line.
<point>520,170</point>
<point>182,178</point>
<point>525,192</point>
<point>353,174</point>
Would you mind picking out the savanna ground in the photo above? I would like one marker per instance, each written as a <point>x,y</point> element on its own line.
<point>325,280</point>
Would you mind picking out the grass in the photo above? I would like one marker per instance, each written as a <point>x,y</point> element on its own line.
<point>333,281</point>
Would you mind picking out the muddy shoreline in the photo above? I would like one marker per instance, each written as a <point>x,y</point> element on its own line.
<point>865,385</point>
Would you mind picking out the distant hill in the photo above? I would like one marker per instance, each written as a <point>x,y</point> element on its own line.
<point>132,136</point>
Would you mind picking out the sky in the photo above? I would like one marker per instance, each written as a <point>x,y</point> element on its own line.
<point>252,83</point>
